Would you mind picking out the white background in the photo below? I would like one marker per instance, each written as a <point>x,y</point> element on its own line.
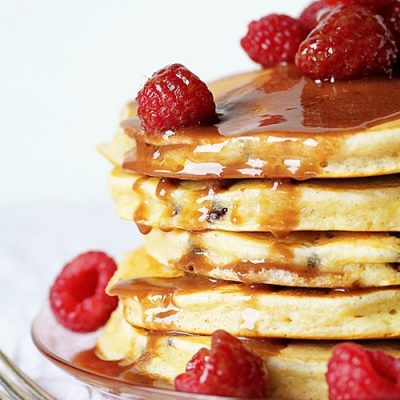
<point>66,68</point>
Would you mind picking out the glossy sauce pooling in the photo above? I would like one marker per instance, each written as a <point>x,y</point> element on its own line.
<point>89,361</point>
<point>288,102</point>
<point>282,100</point>
<point>278,125</point>
<point>132,373</point>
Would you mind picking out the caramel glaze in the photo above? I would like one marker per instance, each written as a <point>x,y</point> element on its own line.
<point>195,261</point>
<point>287,218</point>
<point>88,360</point>
<point>201,207</point>
<point>142,210</point>
<point>131,373</point>
<point>153,292</point>
<point>302,124</point>
<point>164,192</point>
<point>265,348</point>
<point>209,211</point>
<point>157,296</point>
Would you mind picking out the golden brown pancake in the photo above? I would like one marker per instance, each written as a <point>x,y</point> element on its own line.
<point>307,259</point>
<point>276,124</point>
<point>136,264</point>
<point>259,205</point>
<point>296,368</point>
<point>197,305</point>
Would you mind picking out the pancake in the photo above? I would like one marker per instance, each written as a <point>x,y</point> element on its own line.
<point>197,305</point>
<point>138,264</point>
<point>122,143</point>
<point>277,124</point>
<point>308,259</point>
<point>296,368</point>
<point>258,205</point>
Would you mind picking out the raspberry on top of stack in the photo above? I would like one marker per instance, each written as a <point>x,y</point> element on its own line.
<point>271,204</point>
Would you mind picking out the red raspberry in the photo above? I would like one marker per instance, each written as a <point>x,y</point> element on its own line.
<point>349,42</point>
<point>391,15</point>
<point>228,369</point>
<point>78,297</point>
<point>174,98</point>
<point>273,39</point>
<point>355,373</point>
<point>313,13</point>
<point>374,5</point>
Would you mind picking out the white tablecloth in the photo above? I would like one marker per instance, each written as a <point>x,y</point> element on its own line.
<point>35,242</point>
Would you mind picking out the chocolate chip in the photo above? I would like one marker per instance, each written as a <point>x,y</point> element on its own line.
<point>216,214</point>
<point>313,261</point>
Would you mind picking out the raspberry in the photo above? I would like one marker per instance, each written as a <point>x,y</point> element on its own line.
<point>312,14</point>
<point>349,42</point>
<point>228,369</point>
<point>273,39</point>
<point>355,373</point>
<point>174,98</point>
<point>391,15</point>
<point>78,297</point>
<point>374,5</point>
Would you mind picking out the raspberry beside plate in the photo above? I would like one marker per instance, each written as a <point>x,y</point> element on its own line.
<point>77,296</point>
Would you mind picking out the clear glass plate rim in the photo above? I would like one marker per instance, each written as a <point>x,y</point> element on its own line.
<point>75,370</point>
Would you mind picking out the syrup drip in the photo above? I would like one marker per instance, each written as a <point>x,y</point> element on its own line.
<point>165,187</point>
<point>299,124</point>
<point>254,271</point>
<point>286,219</point>
<point>157,298</point>
<point>141,212</point>
<point>196,261</point>
<point>159,293</point>
<point>131,373</point>
<point>204,205</point>
<point>264,348</point>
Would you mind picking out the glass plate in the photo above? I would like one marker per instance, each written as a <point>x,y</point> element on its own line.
<point>59,345</point>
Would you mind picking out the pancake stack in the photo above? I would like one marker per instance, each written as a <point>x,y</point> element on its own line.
<point>278,224</point>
